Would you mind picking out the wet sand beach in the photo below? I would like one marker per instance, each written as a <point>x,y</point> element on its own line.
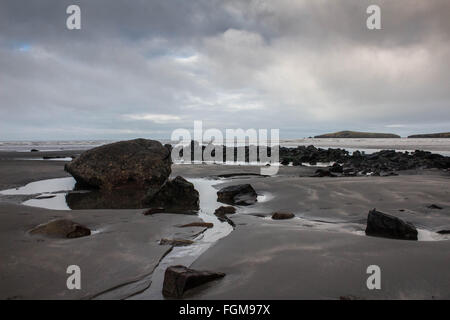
<point>322,253</point>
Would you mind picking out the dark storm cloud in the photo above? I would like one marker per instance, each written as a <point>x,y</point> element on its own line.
<point>143,68</point>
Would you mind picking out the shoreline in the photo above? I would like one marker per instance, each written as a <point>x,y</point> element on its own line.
<point>400,144</point>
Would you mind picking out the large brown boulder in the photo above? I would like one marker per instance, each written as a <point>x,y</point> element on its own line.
<point>61,228</point>
<point>178,279</point>
<point>175,195</point>
<point>139,164</point>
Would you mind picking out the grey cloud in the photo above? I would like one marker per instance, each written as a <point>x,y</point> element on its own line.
<point>302,66</point>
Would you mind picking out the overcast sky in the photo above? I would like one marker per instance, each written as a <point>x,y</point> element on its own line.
<point>143,68</point>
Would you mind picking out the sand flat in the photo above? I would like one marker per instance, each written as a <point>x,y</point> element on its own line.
<point>281,261</point>
<point>322,253</point>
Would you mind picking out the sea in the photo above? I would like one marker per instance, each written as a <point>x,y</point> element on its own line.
<point>435,145</point>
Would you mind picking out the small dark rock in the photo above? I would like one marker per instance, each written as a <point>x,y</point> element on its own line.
<point>323,173</point>
<point>380,224</point>
<point>336,168</point>
<point>34,150</point>
<point>434,206</point>
<point>198,224</point>
<point>242,194</point>
<point>53,157</point>
<point>221,213</point>
<point>282,215</point>
<point>259,215</point>
<point>153,211</point>
<point>225,210</point>
<point>42,197</point>
<point>179,279</point>
<point>176,242</point>
<point>61,228</point>
<point>444,232</point>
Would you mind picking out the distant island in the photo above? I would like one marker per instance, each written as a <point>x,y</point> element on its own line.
<point>356,134</point>
<point>431,135</point>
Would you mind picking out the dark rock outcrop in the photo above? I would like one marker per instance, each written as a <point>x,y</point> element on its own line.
<point>282,215</point>
<point>175,195</point>
<point>139,164</point>
<point>242,194</point>
<point>382,163</point>
<point>179,279</point>
<point>380,224</point>
<point>336,168</point>
<point>61,228</point>
<point>311,155</point>
<point>444,232</point>
<point>347,164</point>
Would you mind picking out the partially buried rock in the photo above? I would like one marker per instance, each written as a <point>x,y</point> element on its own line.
<point>380,224</point>
<point>242,194</point>
<point>350,297</point>
<point>176,242</point>
<point>177,194</point>
<point>282,215</point>
<point>323,173</point>
<point>45,196</point>
<point>153,211</point>
<point>61,228</point>
<point>198,224</point>
<point>179,279</point>
<point>137,164</point>
<point>434,206</point>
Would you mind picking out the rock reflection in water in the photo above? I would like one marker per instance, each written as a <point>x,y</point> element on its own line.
<point>95,199</point>
<point>116,199</point>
